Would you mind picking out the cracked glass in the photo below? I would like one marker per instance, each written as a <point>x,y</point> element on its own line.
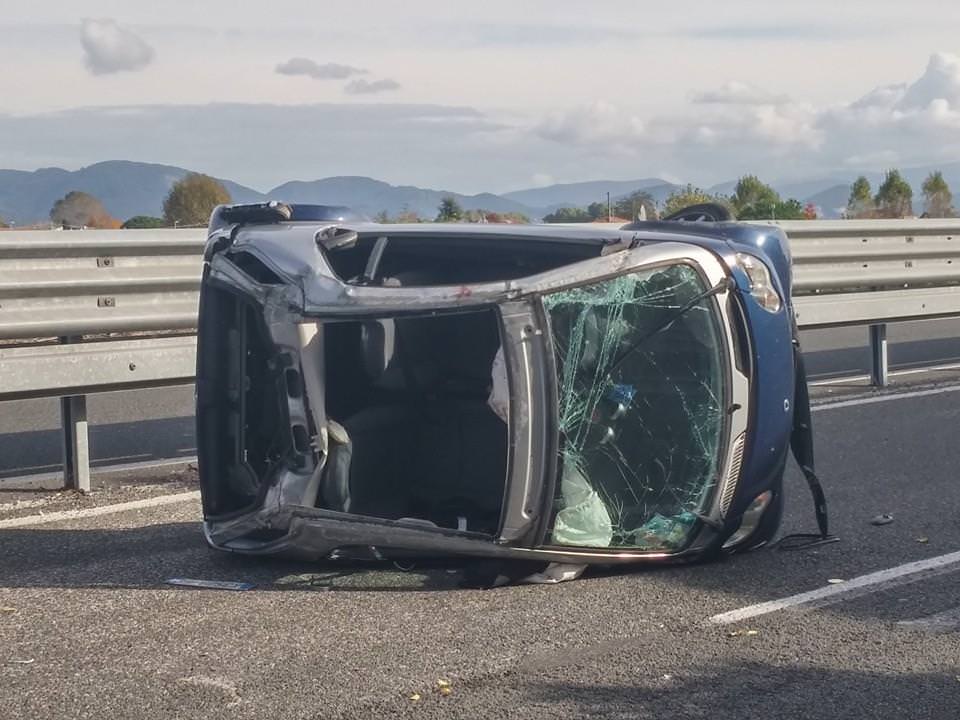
<point>641,409</point>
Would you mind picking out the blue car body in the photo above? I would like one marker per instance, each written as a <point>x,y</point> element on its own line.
<point>772,347</point>
<point>287,462</point>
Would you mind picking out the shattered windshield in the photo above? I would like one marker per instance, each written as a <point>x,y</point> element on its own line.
<point>641,409</point>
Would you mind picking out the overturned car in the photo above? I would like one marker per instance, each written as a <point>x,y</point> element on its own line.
<point>578,395</point>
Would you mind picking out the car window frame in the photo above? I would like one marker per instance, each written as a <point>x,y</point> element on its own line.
<point>712,270</point>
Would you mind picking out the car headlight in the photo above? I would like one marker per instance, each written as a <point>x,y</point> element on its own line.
<point>761,283</point>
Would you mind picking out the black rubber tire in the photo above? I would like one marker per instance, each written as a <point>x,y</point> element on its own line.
<point>702,212</point>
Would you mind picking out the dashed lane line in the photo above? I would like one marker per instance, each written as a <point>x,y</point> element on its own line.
<point>819,381</point>
<point>858,586</point>
<point>96,511</point>
<point>883,398</point>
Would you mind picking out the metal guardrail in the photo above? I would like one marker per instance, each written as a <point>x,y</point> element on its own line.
<point>89,282</point>
<point>874,272</point>
<point>58,286</point>
<point>856,271</point>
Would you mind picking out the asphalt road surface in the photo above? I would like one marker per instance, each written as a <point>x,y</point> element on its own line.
<point>152,425</point>
<point>89,629</point>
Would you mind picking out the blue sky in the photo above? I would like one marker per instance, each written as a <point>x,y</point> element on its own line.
<point>492,96</point>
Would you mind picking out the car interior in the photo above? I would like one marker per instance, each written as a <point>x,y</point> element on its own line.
<point>412,434</point>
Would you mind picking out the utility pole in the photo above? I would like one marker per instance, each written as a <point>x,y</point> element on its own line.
<point>609,214</point>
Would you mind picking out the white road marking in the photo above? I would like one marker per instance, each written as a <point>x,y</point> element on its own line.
<point>95,511</point>
<point>889,585</point>
<point>941,622</point>
<point>882,398</point>
<point>876,581</point>
<point>893,373</point>
<point>36,479</point>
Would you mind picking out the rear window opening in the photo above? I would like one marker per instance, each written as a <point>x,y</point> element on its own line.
<point>412,431</point>
<point>439,260</point>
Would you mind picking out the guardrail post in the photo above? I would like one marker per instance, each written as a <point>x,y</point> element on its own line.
<point>76,443</point>
<point>878,355</point>
<point>76,448</point>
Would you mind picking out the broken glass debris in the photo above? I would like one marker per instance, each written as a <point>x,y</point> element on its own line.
<point>641,387</point>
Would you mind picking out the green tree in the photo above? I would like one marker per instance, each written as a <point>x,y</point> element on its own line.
<point>80,209</point>
<point>860,204</point>
<point>449,210</point>
<point>753,199</point>
<point>686,196</point>
<point>144,222</point>
<point>937,198</point>
<point>629,206</point>
<point>3,223</point>
<point>597,210</point>
<point>192,199</point>
<point>790,210</point>
<point>568,215</point>
<point>894,197</point>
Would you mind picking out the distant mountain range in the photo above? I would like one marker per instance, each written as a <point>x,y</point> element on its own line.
<point>584,193</point>
<point>133,188</point>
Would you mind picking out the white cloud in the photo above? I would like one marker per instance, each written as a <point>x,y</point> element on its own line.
<point>310,68</point>
<point>730,128</point>
<point>739,127</point>
<point>595,123</point>
<point>748,127</point>
<point>940,81</point>
<point>738,93</point>
<point>885,96</point>
<point>907,123</point>
<point>370,87</point>
<point>110,48</point>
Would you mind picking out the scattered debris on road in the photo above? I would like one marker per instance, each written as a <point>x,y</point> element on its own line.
<point>835,581</point>
<point>211,584</point>
<point>882,519</point>
<point>922,540</point>
<point>223,689</point>
<point>742,633</point>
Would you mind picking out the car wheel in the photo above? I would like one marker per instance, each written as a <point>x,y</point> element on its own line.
<point>702,212</point>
